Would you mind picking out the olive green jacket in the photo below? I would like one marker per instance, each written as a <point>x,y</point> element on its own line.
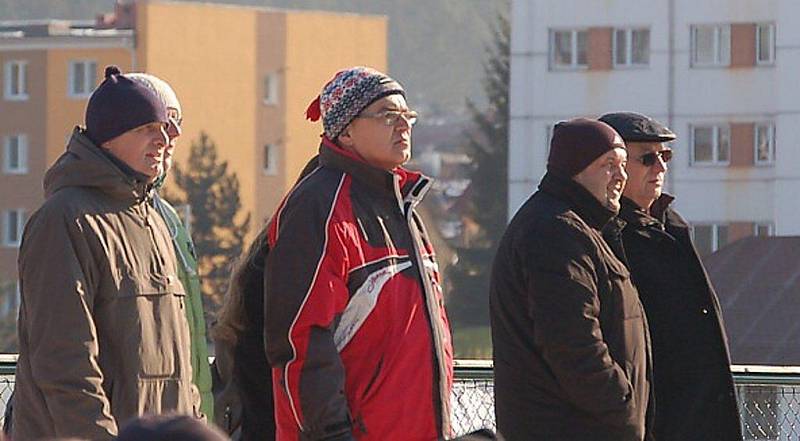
<point>102,333</point>
<point>187,272</point>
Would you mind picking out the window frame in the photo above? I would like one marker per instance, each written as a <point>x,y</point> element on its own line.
<point>10,300</point>
<point>771,60</point>
<point>270,91</point>
<point>88,85</point>
<point>768,225</point>
<point>574,65</point>
<point>715,229</point>
<point>8,240</point>
<point>770,126</point>
<point>719,59</point>
<point>22,154</point>
<point>269,160</point>
<point>22,80</point>
<point>629,64</point>
<point>714,162</point>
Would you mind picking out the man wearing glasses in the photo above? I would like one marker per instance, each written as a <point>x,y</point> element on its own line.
<point>694,392</point>
<point>355,327</point>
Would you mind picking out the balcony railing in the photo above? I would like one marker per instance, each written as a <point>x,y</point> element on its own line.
<point>768,396</point>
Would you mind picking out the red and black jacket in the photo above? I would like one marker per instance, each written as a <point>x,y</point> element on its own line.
<point>355,324</point>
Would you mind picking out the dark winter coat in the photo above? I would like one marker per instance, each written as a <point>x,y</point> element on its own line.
<point>693,385</point>
<point>571,347</point>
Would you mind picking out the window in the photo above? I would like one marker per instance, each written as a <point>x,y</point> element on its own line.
<point>271,88</point>
<point>15,154</point>
<point>631,47</point>
<point>711,45</point>
<point>13,222</point>
<point>765,43</point>
<point>270,160</point>
<point>15,83</point>
<point>708,238</point>
<point>82,78</point>
<point>764,143</point>
<point>762,229</point>
<point>568,49</point>
<point>711,145</point>
<point>9,300</point>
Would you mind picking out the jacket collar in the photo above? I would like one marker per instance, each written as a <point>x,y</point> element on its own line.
<point>86,165</point>
<point>580,200</point>
<point>400,184</point>
<point>635,215</point>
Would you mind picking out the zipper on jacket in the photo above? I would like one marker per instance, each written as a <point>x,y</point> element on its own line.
<point>434,311</point>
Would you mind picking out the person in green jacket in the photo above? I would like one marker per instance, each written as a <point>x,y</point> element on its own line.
<point>184,249</point>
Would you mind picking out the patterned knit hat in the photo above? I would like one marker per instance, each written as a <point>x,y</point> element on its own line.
<point>347,94</point>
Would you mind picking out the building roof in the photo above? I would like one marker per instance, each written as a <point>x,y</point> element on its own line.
<point>757,280</point>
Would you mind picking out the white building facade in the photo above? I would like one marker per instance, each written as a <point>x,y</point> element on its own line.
<point>724,75</point>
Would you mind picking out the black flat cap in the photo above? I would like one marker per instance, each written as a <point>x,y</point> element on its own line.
<point>635,127</point>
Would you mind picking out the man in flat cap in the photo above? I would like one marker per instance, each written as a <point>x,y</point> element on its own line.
<point>103,336</point>
<point>571,346</point>
<point>693,386</point>
<point>355,326</point>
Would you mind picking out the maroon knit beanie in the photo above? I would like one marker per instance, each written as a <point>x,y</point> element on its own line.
<point>577,143</point>
<point>120,104</point>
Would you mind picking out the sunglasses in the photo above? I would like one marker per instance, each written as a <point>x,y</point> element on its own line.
<point>649,159</point>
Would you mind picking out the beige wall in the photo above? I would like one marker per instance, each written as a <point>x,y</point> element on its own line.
<point>208,54</point>
<point>270,118</point>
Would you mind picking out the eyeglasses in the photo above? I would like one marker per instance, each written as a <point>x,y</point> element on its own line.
<point>391,117</point>
<point>174,117</point>
<point>649,159</point>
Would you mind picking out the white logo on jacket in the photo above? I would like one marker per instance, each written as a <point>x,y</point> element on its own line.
<point>363,302</point>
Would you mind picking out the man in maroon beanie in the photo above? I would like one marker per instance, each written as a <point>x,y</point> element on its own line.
<point>103,336</point>
<point>571,345</point>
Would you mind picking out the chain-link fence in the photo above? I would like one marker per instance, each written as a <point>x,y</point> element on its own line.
<point>768,404</point>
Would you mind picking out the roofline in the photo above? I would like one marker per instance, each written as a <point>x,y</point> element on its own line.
<point>125,41</point>
<point>270,9</point>
<point>44,21</point>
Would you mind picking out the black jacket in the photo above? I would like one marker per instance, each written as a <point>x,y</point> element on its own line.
<point>571,347</point>
<point>693,385</point>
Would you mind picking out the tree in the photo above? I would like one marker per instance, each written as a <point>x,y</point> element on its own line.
<point>484,206</point>
<point>213,195</point>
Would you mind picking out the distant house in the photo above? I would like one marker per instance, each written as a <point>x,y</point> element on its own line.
<point>758,283</point>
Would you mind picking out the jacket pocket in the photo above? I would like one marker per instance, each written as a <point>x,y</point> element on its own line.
<point>152,330</point>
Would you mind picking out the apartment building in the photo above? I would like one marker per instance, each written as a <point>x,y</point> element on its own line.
<point>721,73</point>
<point>244,76</point>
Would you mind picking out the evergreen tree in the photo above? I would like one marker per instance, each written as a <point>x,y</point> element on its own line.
<point>213,195</point>
<point>485,204</point>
